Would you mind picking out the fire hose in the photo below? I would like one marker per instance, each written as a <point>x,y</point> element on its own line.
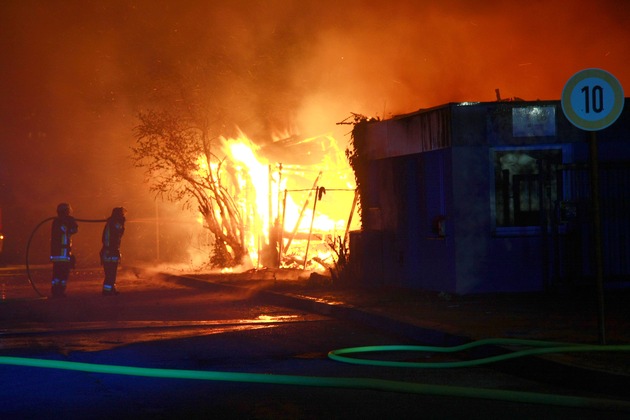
<point>536,347</point>
<point>28,246</point>
<point>372,383</point>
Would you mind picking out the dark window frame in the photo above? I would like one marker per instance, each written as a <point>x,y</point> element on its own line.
<point>522,179</point>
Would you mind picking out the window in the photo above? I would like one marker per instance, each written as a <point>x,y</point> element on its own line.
<point>526,188</point>
<point>532,121</point>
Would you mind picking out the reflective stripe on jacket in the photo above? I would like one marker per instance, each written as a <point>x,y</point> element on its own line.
<point>61,238</point>
<point>112,235</point>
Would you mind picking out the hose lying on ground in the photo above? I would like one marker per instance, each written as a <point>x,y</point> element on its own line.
<point>368,383</point>
<point>537,347</point>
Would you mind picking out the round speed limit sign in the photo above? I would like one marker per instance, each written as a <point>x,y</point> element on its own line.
<point>592,99</point>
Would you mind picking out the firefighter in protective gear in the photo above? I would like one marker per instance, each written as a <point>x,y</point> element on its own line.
<point>63,227</point>
<point>110,252</point>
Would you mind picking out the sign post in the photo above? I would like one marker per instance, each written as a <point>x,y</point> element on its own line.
<point>592,100</point>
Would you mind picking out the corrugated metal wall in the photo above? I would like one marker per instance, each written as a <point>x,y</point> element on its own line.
<point>576,243</point>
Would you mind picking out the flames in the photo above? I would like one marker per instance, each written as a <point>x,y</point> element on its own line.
<point>295,197</point>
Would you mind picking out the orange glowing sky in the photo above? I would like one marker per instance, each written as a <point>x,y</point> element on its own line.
<point>75,73</point>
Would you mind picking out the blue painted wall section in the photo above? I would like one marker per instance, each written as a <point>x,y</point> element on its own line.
<point>490,197</point>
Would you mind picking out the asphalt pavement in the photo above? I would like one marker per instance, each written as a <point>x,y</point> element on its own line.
<point>441,319</point>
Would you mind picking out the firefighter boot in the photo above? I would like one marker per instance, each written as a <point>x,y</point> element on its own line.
<point>57,289</point>
<point>109,290</point>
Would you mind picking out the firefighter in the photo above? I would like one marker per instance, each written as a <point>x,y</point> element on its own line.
<point>63,227</point>
<point>110,252</point>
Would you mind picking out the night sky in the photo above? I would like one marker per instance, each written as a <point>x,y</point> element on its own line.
<point>75,74</point>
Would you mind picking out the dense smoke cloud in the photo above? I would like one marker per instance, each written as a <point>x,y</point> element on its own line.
<point>75,74</point>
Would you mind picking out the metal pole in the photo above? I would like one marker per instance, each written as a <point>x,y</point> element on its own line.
<point>157,232</point>
<point>354,204</point>
<point>597,232</point>
<point>281,229</point>
<point>270,203</point>
<point>278,227</point>
<point>310,231</point>
<point>279,186</point>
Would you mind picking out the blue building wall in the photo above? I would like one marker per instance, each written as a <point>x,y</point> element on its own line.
<point>425,247</point>
<point>436,218</point>
<point>485,262</point>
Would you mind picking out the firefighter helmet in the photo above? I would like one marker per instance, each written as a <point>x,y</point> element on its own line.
<point>64,209</point>
<point>119,212</point>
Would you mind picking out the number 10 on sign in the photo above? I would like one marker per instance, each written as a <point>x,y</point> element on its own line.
<point>592,99</point>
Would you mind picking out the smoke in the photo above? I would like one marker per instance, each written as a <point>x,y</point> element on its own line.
<point>75,74</point>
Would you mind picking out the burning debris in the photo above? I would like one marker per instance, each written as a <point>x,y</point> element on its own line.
<point>296,216</point>
<point>277,207</point>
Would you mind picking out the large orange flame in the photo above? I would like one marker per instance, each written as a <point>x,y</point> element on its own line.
<point>308,206</point>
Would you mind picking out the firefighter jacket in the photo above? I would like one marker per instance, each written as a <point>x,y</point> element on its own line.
<point>63,227</point>
<point>112,235</point>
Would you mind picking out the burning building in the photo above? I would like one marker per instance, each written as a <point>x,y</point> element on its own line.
<point>296,197</point>
<point>489,197</point>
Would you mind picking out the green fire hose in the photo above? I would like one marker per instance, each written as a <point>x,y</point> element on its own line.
<point>539,347</point>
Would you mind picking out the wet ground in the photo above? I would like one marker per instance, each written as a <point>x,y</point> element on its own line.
<point>149,308</point>
<point>280,322</point>
<point>558,317</point>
